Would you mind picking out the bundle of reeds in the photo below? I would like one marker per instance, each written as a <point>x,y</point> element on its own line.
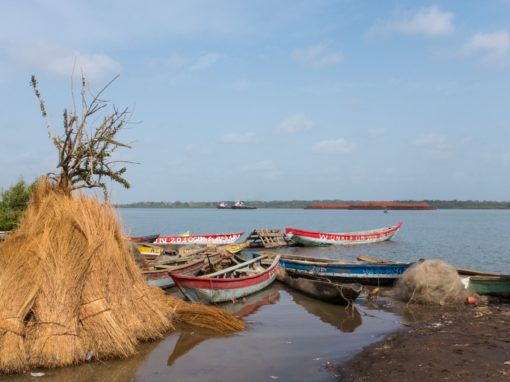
<point>70,289</point>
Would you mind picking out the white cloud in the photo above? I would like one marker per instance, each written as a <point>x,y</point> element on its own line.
<point>295,124</point>
<point>60,62</point>
<point>429,22</point>
<point>376,132</point>
<point>491,47</point>
<point>317,56</point>
<point>335,146</point>
<point>204,62</point>
<point>239,138</point>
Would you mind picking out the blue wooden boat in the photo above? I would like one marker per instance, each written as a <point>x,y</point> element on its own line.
<point>344,271</point>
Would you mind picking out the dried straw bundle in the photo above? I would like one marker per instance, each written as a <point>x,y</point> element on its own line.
<point>69,287</point>
<point>204,316</point>
<point>20,257</point>
<point>431,282</point>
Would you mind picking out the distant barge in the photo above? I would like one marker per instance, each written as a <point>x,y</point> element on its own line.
<point>371,206</point>
<point>236,206</point>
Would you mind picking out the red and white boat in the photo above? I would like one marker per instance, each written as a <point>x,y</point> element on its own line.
<point>311,238</point>
<point>215,238</point>
<point>229,284</point>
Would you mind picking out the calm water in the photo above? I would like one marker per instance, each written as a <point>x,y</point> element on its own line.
<point>291,337</point>
<point>467,238</point>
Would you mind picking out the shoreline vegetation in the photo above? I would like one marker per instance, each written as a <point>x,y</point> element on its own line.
<point>437,204</point>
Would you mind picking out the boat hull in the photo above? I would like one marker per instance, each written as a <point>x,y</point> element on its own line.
<point>363,273</point>
<point>159,278</point>
<point>214,290</point>
<point>223,238</point>
<point>324,290</point>
<point>312,238</point>
<point>143,239</point>
<point>491,285</point>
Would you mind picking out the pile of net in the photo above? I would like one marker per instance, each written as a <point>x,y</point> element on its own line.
<point>70,290</point>
<point>431,282</point>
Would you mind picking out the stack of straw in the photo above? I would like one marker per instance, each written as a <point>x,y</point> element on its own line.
<point>70,289</point>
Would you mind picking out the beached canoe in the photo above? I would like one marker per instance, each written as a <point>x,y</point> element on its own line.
<point>344,271</point>
<point>150,252</point>
<point>158,277</point>
<point>312,238</point>
<point>216,238</point>
<point>143,239</point>
<point>338,270</point>
<point>228,284</point>
<point>160,274</point>
<point>321,289</point>
<point>460,271</point>
<point>490,285</point>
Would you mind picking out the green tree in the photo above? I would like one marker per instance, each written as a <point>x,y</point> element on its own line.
<point>13,203</point>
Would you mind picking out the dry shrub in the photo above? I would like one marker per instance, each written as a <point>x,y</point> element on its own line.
<point>69,288</point>
<point>431,282</point>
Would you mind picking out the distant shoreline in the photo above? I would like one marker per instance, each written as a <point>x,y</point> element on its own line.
<point>298,204</point>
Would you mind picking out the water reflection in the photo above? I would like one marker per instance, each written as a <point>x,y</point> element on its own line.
<point>344,318</point>
<point>114,371</point>
<point>189,337</point>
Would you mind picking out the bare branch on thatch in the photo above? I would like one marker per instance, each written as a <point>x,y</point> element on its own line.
<point>88,142</point>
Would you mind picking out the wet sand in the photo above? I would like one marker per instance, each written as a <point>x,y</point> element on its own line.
<point>471,343</point>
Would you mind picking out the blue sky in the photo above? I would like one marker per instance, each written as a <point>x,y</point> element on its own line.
<point>373,100</point>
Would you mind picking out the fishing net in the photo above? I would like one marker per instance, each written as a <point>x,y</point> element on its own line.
<point>431,282</point>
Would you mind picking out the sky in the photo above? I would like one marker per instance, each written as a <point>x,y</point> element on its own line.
<point>271,100</point>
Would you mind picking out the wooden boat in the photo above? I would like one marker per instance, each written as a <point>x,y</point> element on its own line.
<point>311,238</point>
<point>325,290</point>
<point>228,284</point>
<point>158,277</point>
<point>143,239</point>
<point>150,252</point>
<point>345,271</point>
<point>490,285</point>
<point>216,238</point>
<point>235,248</point>
<point>160,274</point>
<point>460,271</point>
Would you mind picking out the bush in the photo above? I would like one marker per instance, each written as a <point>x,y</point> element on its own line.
<point>13,203</point>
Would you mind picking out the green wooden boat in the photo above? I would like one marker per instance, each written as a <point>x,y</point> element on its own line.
<point>491,285</point>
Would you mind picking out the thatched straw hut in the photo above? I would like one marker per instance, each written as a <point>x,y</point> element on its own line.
<point>70,289</point>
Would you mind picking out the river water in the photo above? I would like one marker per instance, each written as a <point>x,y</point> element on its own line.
<point>291,337</point>
<point>466,238</point>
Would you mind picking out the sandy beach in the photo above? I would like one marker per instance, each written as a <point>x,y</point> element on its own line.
<point>471,343</point>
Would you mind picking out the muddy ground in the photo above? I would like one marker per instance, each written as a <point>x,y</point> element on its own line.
<point>471,343</point>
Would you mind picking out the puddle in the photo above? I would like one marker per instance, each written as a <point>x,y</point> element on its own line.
<point>289,337</point>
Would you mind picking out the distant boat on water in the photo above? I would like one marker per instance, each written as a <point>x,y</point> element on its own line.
<point>239,205</point>
<point>223,206</point>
